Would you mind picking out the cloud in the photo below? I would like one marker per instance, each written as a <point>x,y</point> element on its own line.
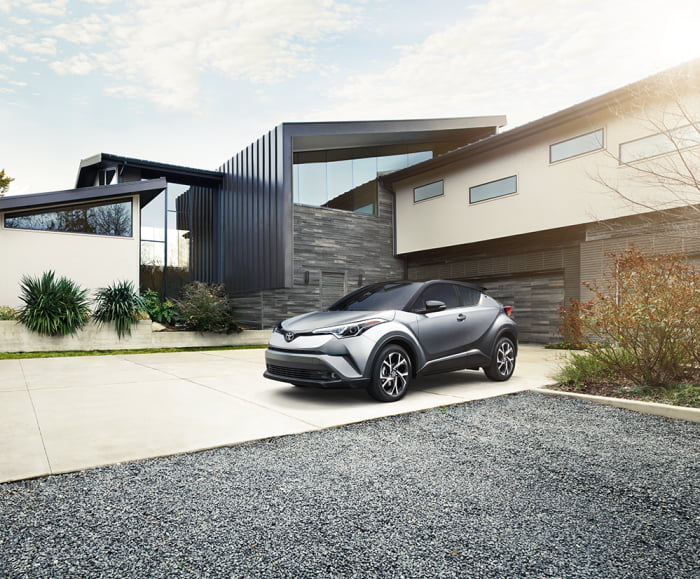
<point>52,8</point>
<point>91,29</point>
<point>160,51</point>
<point>80,64</point>
<point>524,59</point>
<point>41,46</point>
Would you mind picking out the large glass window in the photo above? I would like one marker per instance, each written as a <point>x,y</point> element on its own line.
<point>493,189</point>
<point>660,144</point>
<point>334,178</point>
<point>113,218</point>
<point>577,146</point>
<point>165,241</point>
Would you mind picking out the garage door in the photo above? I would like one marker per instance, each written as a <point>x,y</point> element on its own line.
<point>536,300</point>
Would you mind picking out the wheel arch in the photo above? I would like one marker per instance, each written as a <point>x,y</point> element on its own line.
<point>399,340</point>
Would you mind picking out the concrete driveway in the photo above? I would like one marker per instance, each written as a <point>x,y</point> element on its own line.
<point>66,414</point>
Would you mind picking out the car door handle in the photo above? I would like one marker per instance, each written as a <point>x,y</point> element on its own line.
<point>461,317</point>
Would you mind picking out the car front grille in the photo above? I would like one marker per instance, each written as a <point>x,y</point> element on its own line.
<point>299,373</point>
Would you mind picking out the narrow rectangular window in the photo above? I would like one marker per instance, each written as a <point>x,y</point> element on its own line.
<point>112,218</point>
<point>577,146</point>
<point>428,191</point>
<point>498,188</point>
<point>660,144</point>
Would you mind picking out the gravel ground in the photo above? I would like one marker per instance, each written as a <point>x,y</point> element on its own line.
<point>526,485</point>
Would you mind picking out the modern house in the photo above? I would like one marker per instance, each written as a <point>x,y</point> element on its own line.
<point>311,211</point>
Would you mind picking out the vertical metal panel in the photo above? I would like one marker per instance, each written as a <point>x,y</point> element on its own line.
<point>256,218</point>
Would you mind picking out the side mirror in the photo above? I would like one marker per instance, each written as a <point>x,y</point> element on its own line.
<point>434,306</point>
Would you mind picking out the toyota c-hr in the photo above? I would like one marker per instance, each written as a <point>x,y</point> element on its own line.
<point>383,335</point>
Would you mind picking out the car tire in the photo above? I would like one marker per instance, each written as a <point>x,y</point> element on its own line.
<point>502,361</point>
<point>391,374</point>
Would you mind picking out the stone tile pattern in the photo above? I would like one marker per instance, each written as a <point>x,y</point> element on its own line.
<point>335,252</point>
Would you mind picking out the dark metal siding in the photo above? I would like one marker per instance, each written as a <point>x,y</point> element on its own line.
<point>203,219</point>
<point>256,217</point>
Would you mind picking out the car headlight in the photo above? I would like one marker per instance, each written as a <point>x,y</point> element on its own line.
<point>350,330</point>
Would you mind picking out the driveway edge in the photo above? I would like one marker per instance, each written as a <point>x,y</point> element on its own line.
<point>666,410</point>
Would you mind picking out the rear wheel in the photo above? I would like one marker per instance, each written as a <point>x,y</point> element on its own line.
<point>391,374</point>
<point>503,361</point>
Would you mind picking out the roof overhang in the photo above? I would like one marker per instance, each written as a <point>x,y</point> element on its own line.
<point>685,73</point>
<point>146,190</point>
<point>89,167</point>
<point>325,136</point>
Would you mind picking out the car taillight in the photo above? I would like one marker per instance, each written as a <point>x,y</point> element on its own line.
<point>509,310</point>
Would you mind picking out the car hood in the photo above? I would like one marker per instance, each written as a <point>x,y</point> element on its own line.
<point>315,320</point>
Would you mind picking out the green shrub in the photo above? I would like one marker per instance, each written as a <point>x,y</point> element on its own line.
<point>7,313</point>
<point>161,311</point>
<point>120,304</point>
<point>645,319</point>
<point>53,307</point>
<point>583,368</point>
<point>206,308</point>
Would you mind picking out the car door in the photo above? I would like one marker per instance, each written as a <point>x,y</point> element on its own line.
<point>479,315</point>
<point>441,333</point>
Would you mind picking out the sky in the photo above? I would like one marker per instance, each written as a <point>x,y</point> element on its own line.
<point>193,82</point>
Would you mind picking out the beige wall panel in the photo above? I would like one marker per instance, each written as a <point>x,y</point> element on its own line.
<point>549,195</point>
<point>92,261</point>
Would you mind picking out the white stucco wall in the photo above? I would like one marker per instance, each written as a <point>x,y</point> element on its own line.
<point>92,261</point>
<point>549,195</point>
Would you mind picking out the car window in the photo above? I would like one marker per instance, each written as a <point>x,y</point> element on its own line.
<point>470,296</point>
<point>390,296</point>
<point>441,292</point>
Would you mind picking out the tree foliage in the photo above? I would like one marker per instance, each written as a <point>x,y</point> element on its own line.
<point>4,182</point>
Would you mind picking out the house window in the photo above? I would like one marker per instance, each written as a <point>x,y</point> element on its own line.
<point>660,144</point>
<point>428,191</point>
<point>577,146</point>
<point>493,189</point>
<point>112,218</point>
<point>106,176</point>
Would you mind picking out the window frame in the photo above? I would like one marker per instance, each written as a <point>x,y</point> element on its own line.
<point>441,194</point>
<point>601,130</point>
<point>471,189</point>
<point>69,207</point>
<point>670,140</point>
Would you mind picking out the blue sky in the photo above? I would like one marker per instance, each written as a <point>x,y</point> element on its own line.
<point>192,83</point>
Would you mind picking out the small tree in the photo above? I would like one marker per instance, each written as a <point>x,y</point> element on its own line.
<point>646,319</point>
<point>4,182</point>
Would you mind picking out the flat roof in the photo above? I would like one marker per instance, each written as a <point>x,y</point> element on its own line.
<point>320,136</point>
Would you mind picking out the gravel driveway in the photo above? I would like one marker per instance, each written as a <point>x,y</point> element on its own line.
<point>525,485</point>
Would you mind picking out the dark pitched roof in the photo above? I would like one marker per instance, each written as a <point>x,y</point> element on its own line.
<point>647,85</point>
<point>149,170</point>
<point>147,190</point>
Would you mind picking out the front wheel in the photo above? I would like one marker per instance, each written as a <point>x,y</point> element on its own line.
<point>391,374</point>
<point>503,361</point>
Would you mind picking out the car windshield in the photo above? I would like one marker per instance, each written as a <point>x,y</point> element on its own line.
<point>389,296</point>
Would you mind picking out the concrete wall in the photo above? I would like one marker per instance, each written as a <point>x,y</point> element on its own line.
<point>92,261</point>
<point>16,338</point>
<point>341,251</point>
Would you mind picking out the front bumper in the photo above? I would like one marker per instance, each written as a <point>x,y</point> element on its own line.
<point>319,370</point>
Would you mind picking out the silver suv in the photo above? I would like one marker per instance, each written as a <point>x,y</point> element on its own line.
<point>383,335</point>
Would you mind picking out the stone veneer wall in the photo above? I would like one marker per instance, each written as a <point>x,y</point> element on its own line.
<point>335,252</point>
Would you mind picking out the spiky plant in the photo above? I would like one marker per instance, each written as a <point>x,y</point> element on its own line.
<point>118,303</point>
<point>53,307</point>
